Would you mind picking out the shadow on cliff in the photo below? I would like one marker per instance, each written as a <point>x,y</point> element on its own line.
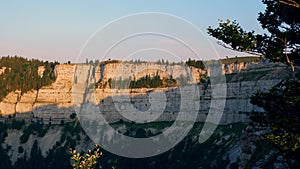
<point>141,102</point>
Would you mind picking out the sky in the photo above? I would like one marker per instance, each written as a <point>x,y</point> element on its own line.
<point>62,30</point>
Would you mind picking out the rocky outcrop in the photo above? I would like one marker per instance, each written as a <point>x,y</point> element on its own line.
<point>55,102</point>
<point>51,102</point>
<point>134,71</point>
<point>45,143</point>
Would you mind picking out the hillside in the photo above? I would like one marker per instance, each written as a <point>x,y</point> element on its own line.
<point>59,97</point>
<point>42,124</point>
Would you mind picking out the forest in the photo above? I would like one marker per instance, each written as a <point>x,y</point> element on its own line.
<point>22,74</point>
<point>152,82</point>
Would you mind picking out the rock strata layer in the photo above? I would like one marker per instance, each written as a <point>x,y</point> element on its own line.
<point>55,102</point>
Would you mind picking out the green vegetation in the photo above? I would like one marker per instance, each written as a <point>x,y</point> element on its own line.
<point>281,105</point>
<point>3,133</point>
<point>17,124</point>
<point>36,128</point>
<point>22,74</point>
<point>152,82</point>
<point>196,63</point>
<point>73,115</point>
<point>108,62</point>
<point>189,153</point>
<point>234,60</point>
<point>141,126</point>
<point>85,161</point>
<point>243,59</point>
<point>280,44</point>
<point>58,157</point>
<point>71,133</point>
<point>262,149</point>
<point>5,160</point>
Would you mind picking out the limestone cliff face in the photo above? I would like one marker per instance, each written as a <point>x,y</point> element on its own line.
<point>254,66</point>
<point>55,102</point>
<point>50,102</point>
<point>127,70</point>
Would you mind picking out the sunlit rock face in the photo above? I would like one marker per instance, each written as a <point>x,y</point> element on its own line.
<point>56,102</point>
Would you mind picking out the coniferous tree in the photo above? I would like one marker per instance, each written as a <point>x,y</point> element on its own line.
<point>281,44</point>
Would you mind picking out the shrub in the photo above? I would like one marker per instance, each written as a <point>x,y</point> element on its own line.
<point>85,161</point>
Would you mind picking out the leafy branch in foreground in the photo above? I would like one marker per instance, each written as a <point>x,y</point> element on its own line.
<point>280,44</point>
<point>232,36</point>
<point>290,2</point>
<point>85,161</point>
<point>281,105</point>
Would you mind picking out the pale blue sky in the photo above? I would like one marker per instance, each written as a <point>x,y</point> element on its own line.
<point>57,30</point>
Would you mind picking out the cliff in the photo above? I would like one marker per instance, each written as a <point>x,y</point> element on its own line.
<point>50,102</point>
<point>55,102</point>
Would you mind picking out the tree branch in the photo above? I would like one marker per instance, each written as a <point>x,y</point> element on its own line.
<point>245,51</point>
<point>290,3</point>
<point>289,62</point>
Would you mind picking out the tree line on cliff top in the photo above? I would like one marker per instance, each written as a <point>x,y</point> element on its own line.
<point>22,74</point>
